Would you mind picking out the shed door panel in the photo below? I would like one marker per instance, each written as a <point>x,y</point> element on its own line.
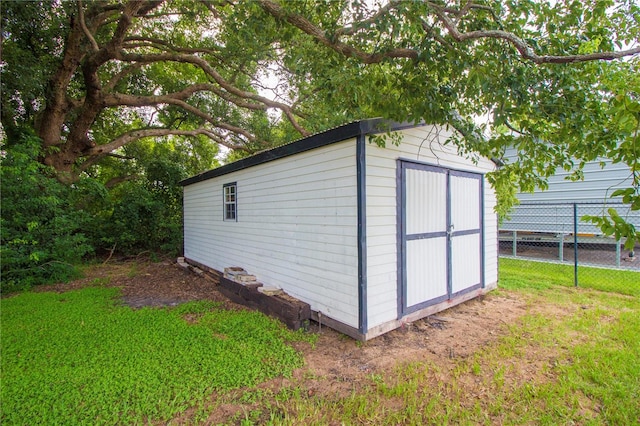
<point>440,234</point>
<point>465,203</point>
<point>426,194</point>
<point>465,262</point>
<point>426,235</point>
<point>466,243</point>
<point>426,258</point>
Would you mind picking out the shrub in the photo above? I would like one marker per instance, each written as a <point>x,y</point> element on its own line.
<point>41,239</point>
<point>48,227</point>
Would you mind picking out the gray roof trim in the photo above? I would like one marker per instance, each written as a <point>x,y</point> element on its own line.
<point>338,134</point>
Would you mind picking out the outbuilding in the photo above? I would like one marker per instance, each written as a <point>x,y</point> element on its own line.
<point>551,210</point>
<point>370,237</point>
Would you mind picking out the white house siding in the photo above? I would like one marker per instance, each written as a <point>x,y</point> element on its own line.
<point>296,227</point>
<point>418,144</point>
<point>595,189</point>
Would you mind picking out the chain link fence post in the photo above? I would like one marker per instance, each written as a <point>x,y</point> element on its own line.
<point>541,234</point>
<point>575,244</point>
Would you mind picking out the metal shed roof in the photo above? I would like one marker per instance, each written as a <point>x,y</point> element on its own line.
<point>328,137</point>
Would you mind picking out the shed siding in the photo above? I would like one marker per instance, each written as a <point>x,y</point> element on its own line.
<point>421,144</point>
<point>296,227</point>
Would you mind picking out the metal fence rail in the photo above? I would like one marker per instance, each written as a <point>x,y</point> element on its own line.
<point>556,233</point>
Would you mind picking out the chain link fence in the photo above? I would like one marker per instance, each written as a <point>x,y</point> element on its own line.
<point>556,233</point>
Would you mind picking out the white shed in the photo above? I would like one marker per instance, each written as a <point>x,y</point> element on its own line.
<point>369,237</point>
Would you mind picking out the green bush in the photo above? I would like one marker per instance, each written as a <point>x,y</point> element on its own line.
<point>147,212</point>
<point>48,227</point>
<point>41,238</point>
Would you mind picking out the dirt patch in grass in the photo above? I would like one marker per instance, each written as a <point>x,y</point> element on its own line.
<point>342,364</point>
<point>452,334</point>
<point>336,365</point>
<point>147,283</point>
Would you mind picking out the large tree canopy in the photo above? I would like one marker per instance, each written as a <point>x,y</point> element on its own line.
<point>557,80</point>
<point>98,76</point>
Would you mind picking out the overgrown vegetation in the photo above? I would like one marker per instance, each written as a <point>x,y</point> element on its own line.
<point>47,228</point>
<point>41,231</point>
<point>80,358</point>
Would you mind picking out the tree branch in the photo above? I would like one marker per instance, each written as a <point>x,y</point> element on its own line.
<point>526,51</point>
<point>115,181</point>
<point>349,51</point>
<point>117,99</point>
<point>210,71</point>
<point>121,157</point>
<point>49,128</point>
<point>111,84</point>
<point>93,101</point>
<point>176,99</point>
<point>86,31</point>
<point>269,103</point>
<point>441,13</point>
<point>163,45</point>
<point>97,153</point>
<point>356,26</point>
<point>128,137</point>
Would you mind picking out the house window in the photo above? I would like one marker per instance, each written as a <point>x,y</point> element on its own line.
<point>229,193</point>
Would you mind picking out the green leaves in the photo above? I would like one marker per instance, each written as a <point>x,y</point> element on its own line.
<point>629,196</point>
<point>47,227</point>
<point>615,225</point>
<point>41,236</point>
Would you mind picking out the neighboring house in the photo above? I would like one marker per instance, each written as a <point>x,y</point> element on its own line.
<point>370,237</point>
<point>551,210</point>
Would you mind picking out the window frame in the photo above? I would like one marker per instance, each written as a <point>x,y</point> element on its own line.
<point>230,214</point>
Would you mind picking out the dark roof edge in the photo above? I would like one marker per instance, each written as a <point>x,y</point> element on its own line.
<point>328,137</point>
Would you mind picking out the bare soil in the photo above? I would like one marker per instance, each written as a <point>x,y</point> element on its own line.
<point>336,365</point>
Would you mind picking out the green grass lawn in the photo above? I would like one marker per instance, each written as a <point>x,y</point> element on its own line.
<point>526,273</point>
<point>574,358</point>
<point>81,358</point>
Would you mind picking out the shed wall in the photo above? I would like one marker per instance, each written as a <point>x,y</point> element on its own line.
<point>296,227</point>
<point>419,144</point>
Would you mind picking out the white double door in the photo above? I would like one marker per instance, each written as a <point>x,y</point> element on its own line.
<point>440,234</point>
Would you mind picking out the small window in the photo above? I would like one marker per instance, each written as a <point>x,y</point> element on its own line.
<point>229,192</point>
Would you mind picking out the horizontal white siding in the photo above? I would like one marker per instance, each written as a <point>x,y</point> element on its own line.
<point>601,179</point>
<point>598,183</point>
<point>418,144</point>
<point>296,228</point>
